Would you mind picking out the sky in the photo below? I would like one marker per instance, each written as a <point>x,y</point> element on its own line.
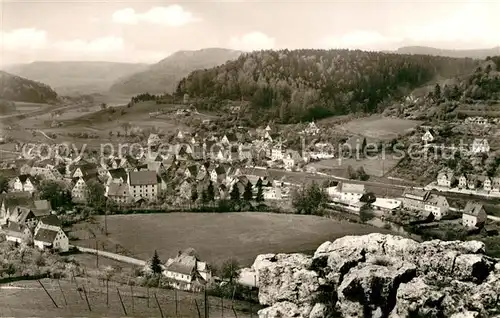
<point>148,31</point>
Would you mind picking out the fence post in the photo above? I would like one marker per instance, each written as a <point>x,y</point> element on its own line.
<point>121,301</point>
<point>64,297</point>
<point>48,294</point>
<point>159,307</point>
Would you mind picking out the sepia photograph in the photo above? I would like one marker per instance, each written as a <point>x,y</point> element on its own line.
<point>250,158</point>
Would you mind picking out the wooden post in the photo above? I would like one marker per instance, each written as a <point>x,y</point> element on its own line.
<point>132,296</point>
<point>206,303</point>
<point>234,311</point>
<point>48,294</point>
<point>159,307</point>
<point>222,307</point>
<point>250,304</point>
<point>232,298</point>
<point>107,292</point>
<point>197,308</point>
<point>175,294</point>
<point>76,285</point>
<point>64,297</point>
<point>96,254</point>
<point>121,301</point>
<point>106,222</point>
<point>147,290</point>
<point>86,298</point>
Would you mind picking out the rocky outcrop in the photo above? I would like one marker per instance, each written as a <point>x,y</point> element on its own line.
<point>379,275</point>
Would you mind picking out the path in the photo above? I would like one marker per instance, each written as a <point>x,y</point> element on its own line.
<point>114,256</point>
<point>43,133</point>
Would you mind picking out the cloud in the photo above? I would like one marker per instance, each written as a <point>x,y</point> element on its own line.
<point>363,40</point>
<point>252,42</point>
<point>26,38</point>
<point>173,15</point>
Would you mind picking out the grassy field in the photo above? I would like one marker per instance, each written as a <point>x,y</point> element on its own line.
<point>217,237</point>
<point>377,127</point>
<point>373,167</point>
<point>28,299</point>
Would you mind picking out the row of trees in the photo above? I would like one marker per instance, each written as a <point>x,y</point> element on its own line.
<point>300,85</point>
<point>208,194</point>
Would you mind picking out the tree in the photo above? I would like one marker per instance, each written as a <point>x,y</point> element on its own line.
<point>437,91</point>
<point>351,173</point>
<point>230,270</point>
<point>95,194</point>
<point>204,197</point>
<point>210,192</point>
<point>4,184</point>
<point>235,193</point>
<point>55,194</point>
<point>362,175</point>
<point>194,195</point>
<point>309,200</point>
<point>248,193</point>
<point>126,127</point>
<point>104,105</point>
<point>156,263</point>
<point>260,192</point>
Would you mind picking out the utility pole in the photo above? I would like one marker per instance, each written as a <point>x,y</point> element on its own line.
<point>206,304</point>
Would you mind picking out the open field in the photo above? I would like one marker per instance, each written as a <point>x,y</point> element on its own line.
<point>381,128</point>
<point>373,167</point>
<point>219,236</point>
<point>28,299</point>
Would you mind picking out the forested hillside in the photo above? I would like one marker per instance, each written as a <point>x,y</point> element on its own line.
<point>303,84</point>
<point>20,89</point>
<point>163,76</point>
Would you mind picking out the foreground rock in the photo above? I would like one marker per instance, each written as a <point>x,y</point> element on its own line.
<point>379,275</point>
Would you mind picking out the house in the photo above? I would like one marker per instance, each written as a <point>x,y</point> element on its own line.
<point>428,137</point>
<point>118,192</point>
<point>229,139</point>
<point>79,190</point>
<point>276,153</point>
<point>476,121</point>
<point>291,158</point>
<point>445,178</point>
<point>191,171</point>
<point>437,205</point>
<point>118,175</point>
<point>23,183</point>
<point>462,182</point>
<point>350,192</point>
<point>487,184</point>
<point>49,222</point>
<point>24,216</point>
<point>473,215</point>
<point>480,145</point>
<point>41,208</point>
<point>386,204</point>
<point>311,129</point>
<point>495,184</point>
<point>414,199</point>
<point>272,193</point>
<point>49,238</point>
<point>186,272</point>
<point>19,233</point>
<point>88,170</point>
<point>153,140</point>
<point>11,201</point>
<point>473,181</point>
<point>144,184</point>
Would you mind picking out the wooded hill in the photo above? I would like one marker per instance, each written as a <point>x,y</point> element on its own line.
<point>301,85</point>
<point>20,89</point>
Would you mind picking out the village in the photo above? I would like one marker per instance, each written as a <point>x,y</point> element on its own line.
<point>203,169</point>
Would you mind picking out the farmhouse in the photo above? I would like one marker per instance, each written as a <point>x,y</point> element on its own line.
<point>473,215</point>
<point>24,183</point>
<point>276,153</point>
<point>144,185</point>
<point>428,137</point>
<point>186,272</point>
<point>437,205</point>
<point>79,190</point>
<point>311,129</point>
<point>41,208</point>
<point>480,145</point>
<point>118,175</point>
<point>18,233</point>
<point>445,178</point>
<point>415,199</point>
<point>118,192</point>
<point>386,204</point>
<point>48,238</point>
<point>153,140</point>
<point>351,192</point>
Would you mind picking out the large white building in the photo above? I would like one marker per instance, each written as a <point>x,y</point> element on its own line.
<point>186,272</point>
<point>144,185</point>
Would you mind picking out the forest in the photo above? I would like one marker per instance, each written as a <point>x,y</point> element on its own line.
<point>300,85</point>
<point>16,88</point>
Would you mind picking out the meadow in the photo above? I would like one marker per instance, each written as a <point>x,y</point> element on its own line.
<point>373,167</point>
<point>220,236</point>
<point>380,128</point>
<point>28,299</point>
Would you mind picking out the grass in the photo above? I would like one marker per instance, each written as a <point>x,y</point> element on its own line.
<point>217,237</point>
<point>27,298</point>
<point>381,128</point>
